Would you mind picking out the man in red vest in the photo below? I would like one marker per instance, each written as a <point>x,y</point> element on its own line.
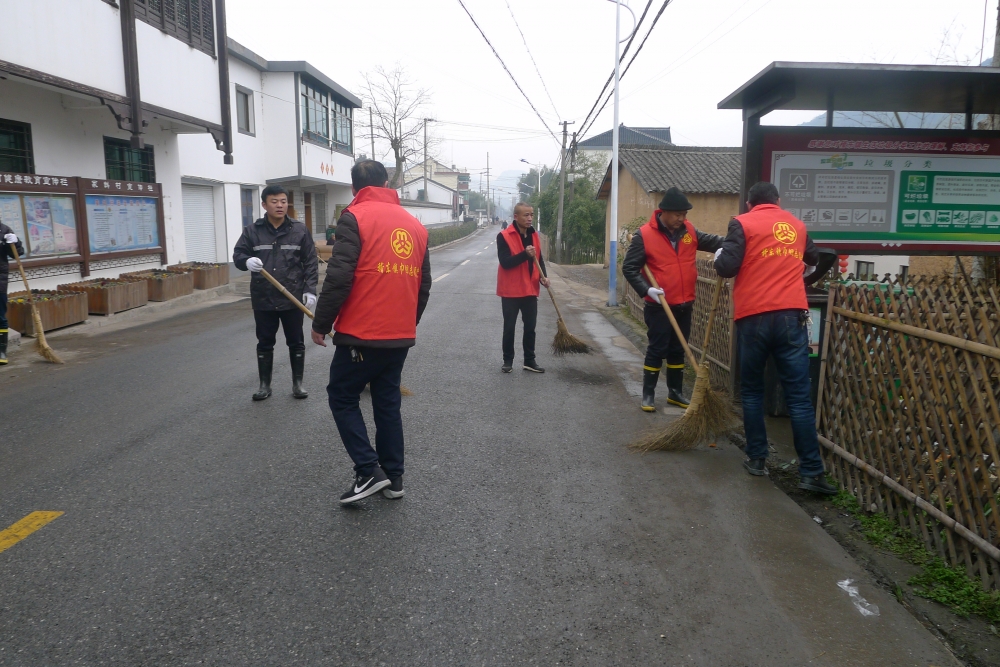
<point>769,250</point>
<point>669,245</point>
<point>518,283</point>
<point>377,283</point>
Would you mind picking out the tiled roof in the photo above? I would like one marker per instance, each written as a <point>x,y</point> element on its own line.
<point>629,136</point>
<point>693,169</point>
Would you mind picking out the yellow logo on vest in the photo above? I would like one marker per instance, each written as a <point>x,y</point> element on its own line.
<point>686,238</point>
<point>785,233</point>
<point>402,243</point>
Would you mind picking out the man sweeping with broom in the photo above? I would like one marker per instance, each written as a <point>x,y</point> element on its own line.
<point>768,250</point>
<point>519,275</point>
<point>668,244</point>
<point>10,242</point>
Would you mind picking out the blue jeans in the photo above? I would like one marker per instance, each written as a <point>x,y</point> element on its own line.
<point>348,376</point>
<point>781,335</point>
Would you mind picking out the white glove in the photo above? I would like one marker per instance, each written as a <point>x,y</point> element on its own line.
<point>309,301</point>
<point>717,253</point>
<point>808,271</point>
<point>654,293</point>
<point>254,264</point>
<point>10,239</point>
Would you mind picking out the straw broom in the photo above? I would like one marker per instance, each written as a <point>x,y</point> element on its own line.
<point>709,413</point>
<point>36,320</point>
<point>564,342</point>
<point>403,391</point>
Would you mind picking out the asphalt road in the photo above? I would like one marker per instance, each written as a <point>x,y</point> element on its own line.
<point>202,528</point>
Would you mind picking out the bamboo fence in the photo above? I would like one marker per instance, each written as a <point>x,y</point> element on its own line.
<point>908,411</point>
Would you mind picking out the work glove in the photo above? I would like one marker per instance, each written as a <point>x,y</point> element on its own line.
<point>717,253</point>
<point>808,270</point>
<point>10,239</point>
<point>654,293</point>
<point>254,264</point>
<point>309,300</point>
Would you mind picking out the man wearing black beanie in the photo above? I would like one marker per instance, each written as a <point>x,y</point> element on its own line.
<point>668,244</point>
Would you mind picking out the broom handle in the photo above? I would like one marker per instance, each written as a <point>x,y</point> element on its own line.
<point>670,316</point>
<point>281,288</point>
<point>547,289</point>
<point>711,316</point>
<point>20,267</point>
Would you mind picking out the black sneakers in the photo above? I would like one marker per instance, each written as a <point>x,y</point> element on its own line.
<point>533,367</point>
<point>365,486</point>
<point>818,484</point>
<point>395,488</point>
<point>755,467</point>
<point>507,367</point>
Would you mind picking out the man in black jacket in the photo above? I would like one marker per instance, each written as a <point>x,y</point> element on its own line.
<point>285,248</point>
<point>8,241</point>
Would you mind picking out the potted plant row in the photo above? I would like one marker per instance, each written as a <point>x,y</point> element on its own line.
<point>206,274</point>
<point>164,285</point>
<point>56,309</point>
<point>108,296</point>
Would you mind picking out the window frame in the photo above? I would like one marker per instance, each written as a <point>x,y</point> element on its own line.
<point>176,18</point>
<point>251,120</point>
<point>148,173</point>
<point>29,148</point>
<point>338,117</point>
<point>869,276</point>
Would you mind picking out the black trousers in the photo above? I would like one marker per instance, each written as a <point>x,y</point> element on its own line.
<point>528,307</point>
<point>663,342</point>
<point>267,328</point>
<point>3,311</point>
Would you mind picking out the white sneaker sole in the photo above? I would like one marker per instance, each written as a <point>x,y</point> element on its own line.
<point>529,368</point>
<point>392,495</point>
<point>370,491</point>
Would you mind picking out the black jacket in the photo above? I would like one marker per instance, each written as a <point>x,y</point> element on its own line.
<point>735,245</point>
<point>7,253</point>
<point>289,255</point>
<point>509,260</point>
<point>340,278</point>
<point>635,258</point>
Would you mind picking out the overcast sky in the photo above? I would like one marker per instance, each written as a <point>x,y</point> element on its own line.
<point>699,52</point>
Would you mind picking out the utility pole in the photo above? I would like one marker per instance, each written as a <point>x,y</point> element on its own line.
<point>426,192</point>
<point>562,192</point>
<point>488,187</point>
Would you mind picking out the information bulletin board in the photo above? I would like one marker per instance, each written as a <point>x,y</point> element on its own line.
<point>889,193</point>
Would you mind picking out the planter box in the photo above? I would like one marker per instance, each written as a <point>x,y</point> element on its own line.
<point>107,297</point>
<point>57,310</point>
<point>164,285</point>
<point>206,274</point>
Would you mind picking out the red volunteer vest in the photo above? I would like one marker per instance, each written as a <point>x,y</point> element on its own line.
<point>517,282</point>
<point>771,275</point>
<point>674,270</point>
<point>383,300</point>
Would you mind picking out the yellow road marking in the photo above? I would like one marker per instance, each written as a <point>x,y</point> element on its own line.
<point>25,527</point>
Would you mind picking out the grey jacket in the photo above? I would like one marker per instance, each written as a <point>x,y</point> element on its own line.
<point>288,253</point>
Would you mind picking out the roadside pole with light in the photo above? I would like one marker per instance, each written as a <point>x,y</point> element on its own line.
<point>613,259</point>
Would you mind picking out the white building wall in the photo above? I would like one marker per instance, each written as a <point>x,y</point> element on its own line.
<point>67,134</point>
<point>429,216</point>
<point>175,76</point>
<point>281,137</point>
<point>73,39</point>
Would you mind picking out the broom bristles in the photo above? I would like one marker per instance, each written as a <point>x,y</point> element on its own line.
<point>403,391</point>
<point>40,345</point>
<point>708,416</point>
<point>567,343</point>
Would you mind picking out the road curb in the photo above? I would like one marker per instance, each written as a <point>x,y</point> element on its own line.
<point>451,243</point>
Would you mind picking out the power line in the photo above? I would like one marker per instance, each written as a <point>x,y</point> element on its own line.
<point>507,70</point>
<point>528,49</point>
<point>622,58</point>
<point>583,130</point>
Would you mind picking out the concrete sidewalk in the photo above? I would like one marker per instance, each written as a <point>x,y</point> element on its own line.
<point>793,560</point>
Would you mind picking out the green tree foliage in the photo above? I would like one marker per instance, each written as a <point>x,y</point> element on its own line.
<point>583,214</point>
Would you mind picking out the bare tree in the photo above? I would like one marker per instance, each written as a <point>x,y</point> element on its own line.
<point>396,104</point>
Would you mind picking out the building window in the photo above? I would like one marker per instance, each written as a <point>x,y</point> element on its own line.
<point>342,120</point>
<point>125,163</point>
<point>315,113</point>
<point>864,270</point>
<point>248,197</point>
<point>190,21</point>
<point>244,110</point>
<point>904,272</point>
<point>15,147</point>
